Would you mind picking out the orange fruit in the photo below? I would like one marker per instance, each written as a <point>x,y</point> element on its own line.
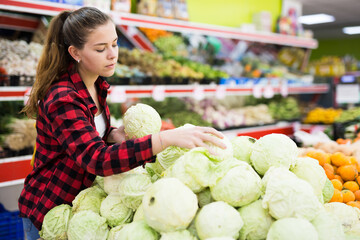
<point>320,156</point>
<point>353,160</point>
<point>339,178</point>
<point>357,179</point>
<point>351,185</point>
<point>329,170</point>
<point>337,184</point>
<point>348,196</point>
<point>339,159</point>
<point>348,172</point>
<point>357,195</point>
<point>354,204</point>
<point>337,196</point>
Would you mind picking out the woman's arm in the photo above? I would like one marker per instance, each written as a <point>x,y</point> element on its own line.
<point>186,138</point>
<point>117,135</point>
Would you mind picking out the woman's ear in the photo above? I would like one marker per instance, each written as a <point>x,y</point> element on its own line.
<point>74,52</point>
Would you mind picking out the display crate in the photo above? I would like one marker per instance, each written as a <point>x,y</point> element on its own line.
<point>11,226</point>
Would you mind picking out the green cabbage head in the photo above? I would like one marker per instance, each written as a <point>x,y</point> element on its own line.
<point>292,228</point>
<point>115,212</point>
<point>328,226</point>
<point>240,186</point>
<point>167,157</point>
<point>169,205</point>
<point>257,221</point>
<point>87,225</point>
<point>56,222</point>
<point>139,213</point>
<point>218,219</point>
<point>89,199</point>
<point>177,235</point>
<point>242,147</point>
<point>328,191</point>
<point>204,197</point>
<point>309,169</point>
<point>132,189</point>
<point>286,195</point>
<point>141,120</point>
<point>135,231</point>
<point>273,150</point>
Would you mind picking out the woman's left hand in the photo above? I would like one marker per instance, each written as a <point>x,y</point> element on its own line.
<point>117,135</point>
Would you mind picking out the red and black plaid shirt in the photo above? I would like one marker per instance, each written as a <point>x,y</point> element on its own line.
<point>69,151</point>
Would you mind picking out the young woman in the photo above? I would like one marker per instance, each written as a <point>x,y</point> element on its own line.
<point>68,101</point>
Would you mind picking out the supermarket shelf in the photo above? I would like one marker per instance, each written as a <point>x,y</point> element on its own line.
<point>19,22</point>
<point>14,170</point>
<point>49,8</point>
<point>125,91</point>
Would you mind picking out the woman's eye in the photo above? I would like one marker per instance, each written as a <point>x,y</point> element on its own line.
<point>101,50</point>
<point>115,45</point>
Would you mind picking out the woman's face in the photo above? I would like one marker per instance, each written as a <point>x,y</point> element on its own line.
<point>100,52</point>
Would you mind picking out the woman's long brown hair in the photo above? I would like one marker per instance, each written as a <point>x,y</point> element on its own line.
<point>66,29</point>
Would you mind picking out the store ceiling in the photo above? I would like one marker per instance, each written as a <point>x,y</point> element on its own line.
<point>346,13</point>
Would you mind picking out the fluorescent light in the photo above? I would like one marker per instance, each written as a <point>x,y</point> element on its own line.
<point>352,30</point>
<point>316,19</point>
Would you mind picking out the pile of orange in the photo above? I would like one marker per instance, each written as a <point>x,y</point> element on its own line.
<point>343,171</point>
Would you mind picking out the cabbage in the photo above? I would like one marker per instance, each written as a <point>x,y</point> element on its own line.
<point>289,196</point>
<point>241,185</point>
<point>348,216</point>
<point>115,212</point>
<point>141,120</point>
<point>182,234</point>
<point>221,154</point>
<point>169,205</point>
<point>114,231</point>
<point>185,169</point>
<point>242,146</point>
<point>273,150</point>
<point>257,221</point>
<point>167,157</point>
<point>204,197</point>
<point>139,213</point>
<point>328,226</point>
<point>132,189</point>
<point>135,231</point>
<point>328,191</point>
<point>111,183</point>
<point>309,169</point>
<point>89,199</point>
<point>56,222</point>
<point>218,219</point>
<point>99,181</point>
<point>154,170</point>
<point>292,228</point>
<point>220,238</point>
<point>87,225</point>
<point>281,173</point>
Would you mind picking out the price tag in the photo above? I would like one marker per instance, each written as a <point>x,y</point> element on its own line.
<point>27,95</point>
<point>118,94</point>
<point>347,93</point>
<point>257,91</point>
<point>198,92</point>
<point>268,91</point>
<point>220,92</point>
<point>284,89</point>
<point>158,93</point>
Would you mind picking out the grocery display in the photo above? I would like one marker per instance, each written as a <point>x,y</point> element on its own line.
<point>268,185</point>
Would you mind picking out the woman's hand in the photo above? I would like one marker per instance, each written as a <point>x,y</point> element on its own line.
<point>187,138</point>
<point>117,135</point>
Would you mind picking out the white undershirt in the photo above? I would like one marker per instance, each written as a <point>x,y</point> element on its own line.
<point>100,123</point>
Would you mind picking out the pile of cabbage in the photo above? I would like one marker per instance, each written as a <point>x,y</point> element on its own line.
<point>253,189</point>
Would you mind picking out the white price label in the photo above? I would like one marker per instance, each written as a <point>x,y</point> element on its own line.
<point>158,93</point>
<point>220,92</point>
<point>284,89</point>
<point>118,94</point>
<point>347,93</point>
<point>27,95</point>
<point>198,92</point>
<point>257,91</point>
<point>268,91</point>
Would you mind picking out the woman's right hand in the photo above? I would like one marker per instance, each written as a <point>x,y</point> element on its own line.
<point>190,137</point>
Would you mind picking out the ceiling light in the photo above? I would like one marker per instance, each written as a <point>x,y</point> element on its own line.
<point>352,30</point>
<point>316,19</point>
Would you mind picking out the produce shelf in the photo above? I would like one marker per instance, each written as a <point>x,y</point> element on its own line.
<point>130,19</point>
<point>125,91</point>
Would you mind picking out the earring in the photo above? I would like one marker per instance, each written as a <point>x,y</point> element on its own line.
<point>78,60</point>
